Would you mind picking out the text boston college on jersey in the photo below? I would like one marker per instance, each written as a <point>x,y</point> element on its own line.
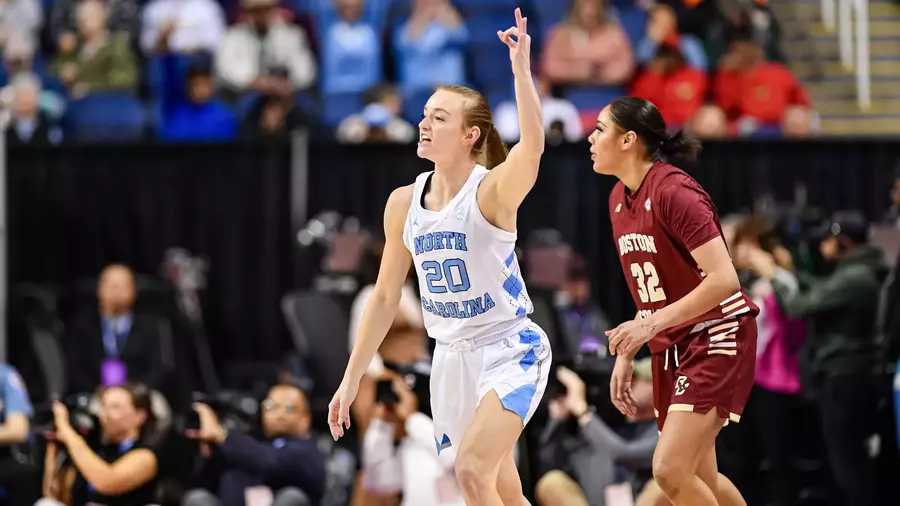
<point>451,309</point>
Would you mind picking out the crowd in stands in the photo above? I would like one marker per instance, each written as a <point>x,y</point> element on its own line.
<point>202,70</point>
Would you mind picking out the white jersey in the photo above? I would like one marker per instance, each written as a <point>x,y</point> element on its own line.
<point>469,275</point>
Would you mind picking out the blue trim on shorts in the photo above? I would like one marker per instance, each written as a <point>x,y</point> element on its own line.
<point>519,400</point>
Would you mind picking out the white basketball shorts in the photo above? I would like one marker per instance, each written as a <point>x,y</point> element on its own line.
<point>515,366</point>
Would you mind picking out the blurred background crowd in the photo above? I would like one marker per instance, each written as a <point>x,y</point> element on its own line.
<point>181,307</point>
<point>187,70</point>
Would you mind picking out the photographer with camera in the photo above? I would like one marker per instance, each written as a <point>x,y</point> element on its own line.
<point>840,357</point>
<point>285,466</point>
<point>398,455</point>
<point>583,457</point>
<point>119,468</point>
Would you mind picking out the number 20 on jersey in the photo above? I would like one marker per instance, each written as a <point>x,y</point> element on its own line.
<point>647,282</point>
<point>450,275</point>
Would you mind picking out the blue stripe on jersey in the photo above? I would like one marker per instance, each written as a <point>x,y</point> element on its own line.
<point>513,285</point>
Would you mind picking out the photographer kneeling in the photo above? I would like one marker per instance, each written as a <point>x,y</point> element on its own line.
<point>120,470</point>
<point>285,466</point>
<point>582,456</point>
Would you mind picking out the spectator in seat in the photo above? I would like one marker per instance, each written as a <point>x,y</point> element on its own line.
<point>113,343</point>
<point>274,115</point>
<point>709,122</point>
<point>351,50</point>
<point>379,120</point>
<point>584,321</point>
<point>121,473</point>
<point>28,124</point>
<point>124,18</point>
<point>761,24</point>
<point>102,61</point>
<point>561,118</point>
<point>182,27</point>
<point>582,456</point>
<point>264,42</point>
<point>429,47</point>
<point>286,461</point>
<point>399,456</point>
<point>749,88</point>
<point>19,478</point>
<point>20,58</point>
<point>202,116</point>
<point>677,89</point>
<point>662,28</point>
<point>587,49</point>
<point>798,123</point>
<point>20,16</point>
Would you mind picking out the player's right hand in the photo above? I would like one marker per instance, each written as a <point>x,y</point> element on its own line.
<point>339,408</point>
<point>620,386</point>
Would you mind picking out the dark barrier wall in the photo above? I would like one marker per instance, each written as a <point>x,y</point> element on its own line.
<point>569,196</point>
<point>74,209</point>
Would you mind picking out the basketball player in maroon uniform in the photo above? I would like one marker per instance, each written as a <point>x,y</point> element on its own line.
<point>700,326</point>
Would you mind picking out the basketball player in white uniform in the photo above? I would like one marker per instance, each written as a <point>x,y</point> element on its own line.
<point>458,225</point>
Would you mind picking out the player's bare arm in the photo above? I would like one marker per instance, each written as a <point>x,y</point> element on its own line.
<point>504,189</point>
<point>720,282</point>
<point>380,310</point>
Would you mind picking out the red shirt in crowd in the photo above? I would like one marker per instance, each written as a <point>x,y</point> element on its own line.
<point>763,92</point>
<point>677,94</point>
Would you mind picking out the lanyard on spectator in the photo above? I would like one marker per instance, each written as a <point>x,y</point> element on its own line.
<point>114,330</point>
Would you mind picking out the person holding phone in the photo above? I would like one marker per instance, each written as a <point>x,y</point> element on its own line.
<point>398,456</point>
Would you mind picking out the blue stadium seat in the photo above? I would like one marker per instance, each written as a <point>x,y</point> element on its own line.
<point>509,5</point>
<point>105,117</point>
<point>490,64</point>
<point>337,106</point>
<point>414,104</point>
<point>483,25</point>
<point>593,98</point>
<point>550,13</point>
<point>634,22</point>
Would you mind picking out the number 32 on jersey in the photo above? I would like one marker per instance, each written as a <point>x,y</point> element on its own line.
<point>647,282</point>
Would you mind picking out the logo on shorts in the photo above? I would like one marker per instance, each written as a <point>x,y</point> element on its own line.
<point>443,444</point>
<point>681,384</point>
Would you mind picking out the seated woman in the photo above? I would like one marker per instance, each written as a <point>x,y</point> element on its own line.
<point>120,470</point>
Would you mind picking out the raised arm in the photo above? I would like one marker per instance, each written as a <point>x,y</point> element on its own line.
<point>380,311</point>
<point>508,183</point>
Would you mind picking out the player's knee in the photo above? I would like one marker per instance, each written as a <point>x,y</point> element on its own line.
<point>670,474</point>
<point>557,489</point>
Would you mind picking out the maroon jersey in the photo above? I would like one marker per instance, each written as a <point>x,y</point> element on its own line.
<point>655,230</point>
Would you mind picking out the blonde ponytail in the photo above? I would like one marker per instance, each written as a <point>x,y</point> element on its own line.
<point>494,149</point>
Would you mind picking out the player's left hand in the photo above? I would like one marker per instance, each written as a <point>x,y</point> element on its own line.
<point>627,338</point>
<point>520,46</point>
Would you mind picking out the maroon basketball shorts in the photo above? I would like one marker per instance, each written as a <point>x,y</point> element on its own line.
<point>710,369</point>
